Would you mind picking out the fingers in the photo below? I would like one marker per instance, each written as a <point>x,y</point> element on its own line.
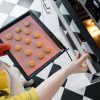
<point>84,69</point>
<point>77,55</point>
<point>83,58</point>
<point>84,64</point>
<point>1,68</point>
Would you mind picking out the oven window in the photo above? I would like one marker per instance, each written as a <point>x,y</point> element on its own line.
<point>93,31</point>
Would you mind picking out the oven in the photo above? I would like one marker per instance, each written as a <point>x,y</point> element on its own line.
<point>86,16</point>
<point>89,13</point>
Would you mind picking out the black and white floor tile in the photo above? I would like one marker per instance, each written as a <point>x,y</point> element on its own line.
<point>11,9</point>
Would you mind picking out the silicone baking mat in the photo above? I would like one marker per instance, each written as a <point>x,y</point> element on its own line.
<point>20,56</point>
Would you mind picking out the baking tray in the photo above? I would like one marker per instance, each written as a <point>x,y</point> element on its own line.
<point>48,39</point>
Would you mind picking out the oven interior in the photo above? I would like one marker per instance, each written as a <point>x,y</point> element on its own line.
<point>89,24</point>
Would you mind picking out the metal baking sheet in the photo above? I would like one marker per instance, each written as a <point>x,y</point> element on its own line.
<point>46,37</point>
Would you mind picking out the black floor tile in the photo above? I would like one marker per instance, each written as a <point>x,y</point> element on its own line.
<point>37,81</point>
<point>93,91</point>
<point>69,95</point>
<point>55,68</point>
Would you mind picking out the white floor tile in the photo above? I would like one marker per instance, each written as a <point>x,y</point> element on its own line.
<point>1,1</point>
<point>77,81</point>
<point>36,5</point>
<point>18,10</point>
<point>3,17</point>
<point>63,60</point>
<point>12,1</point>
<point>86,98</point>
<point>45,72</point>
<point>63,10</point>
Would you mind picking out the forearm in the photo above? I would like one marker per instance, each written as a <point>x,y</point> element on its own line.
<point>47,89</point>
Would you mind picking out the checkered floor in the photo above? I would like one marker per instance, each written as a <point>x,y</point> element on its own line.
<point>11,9</point>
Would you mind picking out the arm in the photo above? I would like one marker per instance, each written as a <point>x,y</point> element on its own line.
<point>49,87</point>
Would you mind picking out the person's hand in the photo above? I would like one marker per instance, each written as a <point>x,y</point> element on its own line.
<point>4,48</point>
<point>79,65</point>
